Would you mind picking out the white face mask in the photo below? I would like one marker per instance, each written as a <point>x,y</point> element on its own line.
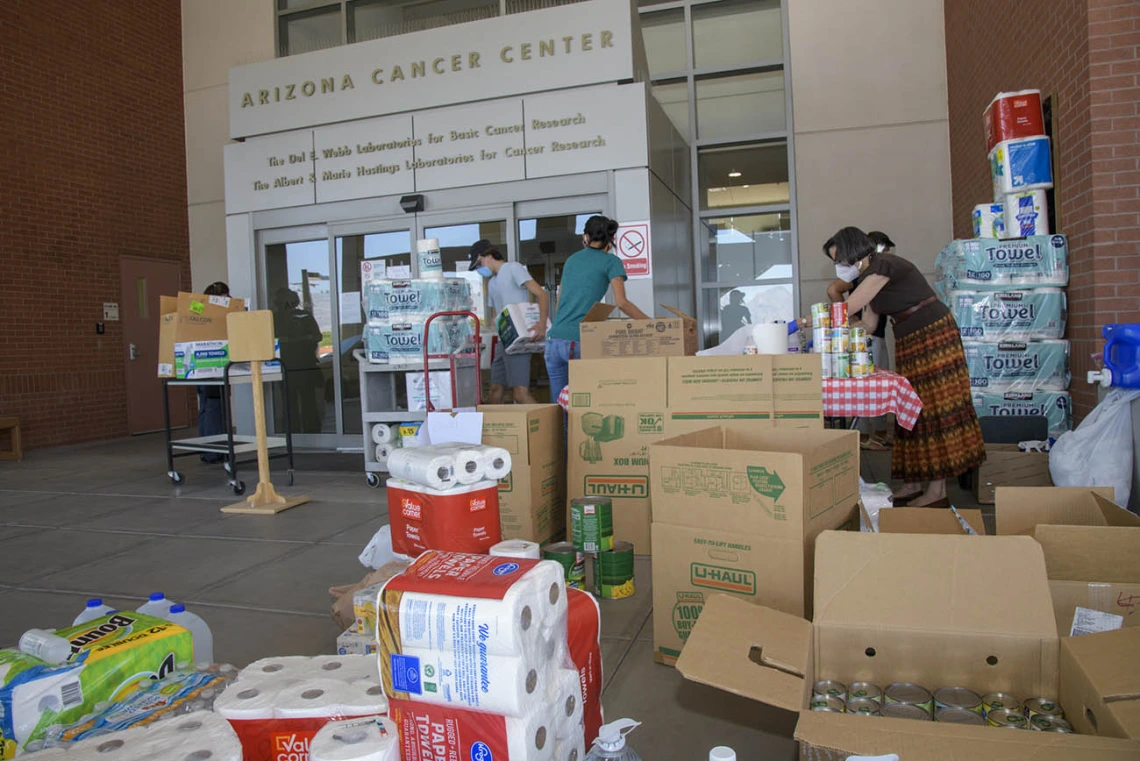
<point>846,272</point>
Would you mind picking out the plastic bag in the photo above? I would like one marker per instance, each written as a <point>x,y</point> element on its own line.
<point>875,497</point>
<point>1099,452</point>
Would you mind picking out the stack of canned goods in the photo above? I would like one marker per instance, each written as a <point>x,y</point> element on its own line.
<point>845,352</point>
<point>592,532</point>
<point>950,705</point>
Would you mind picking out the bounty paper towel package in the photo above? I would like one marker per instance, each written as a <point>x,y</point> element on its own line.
<point>1055,406</point>
<point>1018,365</point>
<point>109,656</point>
<point>985,263</point>
<point>1009,315</point>
<point>989,220</point>
<point>1026,213</point>
<point>1021,164</point>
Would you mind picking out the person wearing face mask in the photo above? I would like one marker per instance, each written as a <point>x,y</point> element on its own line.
<point>947,439</point>
<point>586,277</point>
<point>510,283</point>
<point>875,436</point>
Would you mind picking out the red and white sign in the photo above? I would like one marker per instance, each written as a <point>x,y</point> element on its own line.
<point>632,246</point>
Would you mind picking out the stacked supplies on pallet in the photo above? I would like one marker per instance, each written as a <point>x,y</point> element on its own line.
<point>398,310</point>
<point>476,656</point>
<point>278,702</point>
<point>1020,168</point>
<point>446,497</point>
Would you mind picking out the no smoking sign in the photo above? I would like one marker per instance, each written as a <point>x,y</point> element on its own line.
<point>632,247</point>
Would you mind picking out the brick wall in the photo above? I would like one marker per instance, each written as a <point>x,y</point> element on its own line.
<point>1082,53</point>
<point>93,167</point>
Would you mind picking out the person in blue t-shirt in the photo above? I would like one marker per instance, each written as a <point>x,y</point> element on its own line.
<point>586,277</point>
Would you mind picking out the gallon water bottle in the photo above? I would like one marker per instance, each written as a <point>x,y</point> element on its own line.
<point>49,647</point>
<point>157,606</point>
<point>203,639</point>
<point>1121,357</point>
<point>95,609</point>
<point>610,745</point>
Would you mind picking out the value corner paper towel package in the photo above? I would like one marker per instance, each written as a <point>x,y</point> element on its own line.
<point>1021,164</point>
<point>277,705</point>
<point>368,739</point>
<point>109,657</point>
<point>989,220</point>
<point>988,263</point>
<point>1012,115</point>
<point>462,519</point>
<point>1020,315</point>
<point>197,735</point>
<point>1026,213</point>
<point>1018,365</point>
<point>1055,406</point>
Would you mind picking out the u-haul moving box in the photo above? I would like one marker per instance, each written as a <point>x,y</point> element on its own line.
<point>909,608</point>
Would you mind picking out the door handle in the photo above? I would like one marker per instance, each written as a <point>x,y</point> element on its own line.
<point>134,352</point>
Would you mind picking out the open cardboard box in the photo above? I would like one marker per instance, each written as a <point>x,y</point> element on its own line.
<point>1007,465</point>
<point>932,610</point>
<point>924,520</point>
<point>602,337</point>
<point>1100,683</point>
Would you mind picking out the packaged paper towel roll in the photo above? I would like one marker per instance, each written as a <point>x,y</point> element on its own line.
<point>771,338</point>
<point>1021,164</point>
<point>1026,213</point>
<point>471,734</point>
<point>346,668</point>
<point>517,548</point>
<point>469,467</point>
<point>382,433</point>
<point>248,699</point>
<point>194,736</point>
<point>531,737</point>
<point>383,452</point>
<point>439,622</point>
<point>313,698</point>
<point>429,258</point>
<point>548,579</point>
<point>371,739</point>
<point>504,684</point>
<point>464,518</point>
<point>497,461</point>
<point>565,696</point>
<point>989,220</point>
<point>423,465</point>
<point>569,750</point>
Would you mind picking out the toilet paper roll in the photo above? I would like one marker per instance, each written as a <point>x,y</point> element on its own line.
<point>436,622</point>
<point>569,750</point>
<point>505,684</point>
<point>469,467</point>
<point>565,698</point>
<point>376,739</point>
<point>352,669</point>
<point>248,699</point>
<point>283,666</point>
<point>192,737</point>
<point>364,699</point>
<point>531,737</point>
<point>517,548</point>
<point>423,465</point>
<point>382,433</point>
<point>771,338</point>
<point>314,698</point>
<point>497,461</point>
<point>383,452</point>
<point>547,580</point>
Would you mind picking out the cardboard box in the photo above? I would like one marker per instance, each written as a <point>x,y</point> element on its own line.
<point>532,496</point>
<point>669,337</point>
<point>1100,683</point>
<point>1095,567</point>
<point>1019,510</point>
<point>923,520</point>
<point>190,318</point>
<point>1006,465</point>
<point>909,608</point>
<point>740,512</point>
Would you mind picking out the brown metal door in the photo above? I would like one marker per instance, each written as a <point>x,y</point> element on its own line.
<point>142,281</point>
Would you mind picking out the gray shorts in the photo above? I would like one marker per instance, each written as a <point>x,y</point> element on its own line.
<point>511,370</point>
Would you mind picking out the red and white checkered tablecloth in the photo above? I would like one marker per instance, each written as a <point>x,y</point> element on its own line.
<point>882,393</point>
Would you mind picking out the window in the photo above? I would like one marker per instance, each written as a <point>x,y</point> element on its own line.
<point>749,247</point>
<point>309,30</point>
<point>740,104</point>
<point>734,32</point>
<point>664,34</point>
<point>755,175</point>
<point>674,99</point>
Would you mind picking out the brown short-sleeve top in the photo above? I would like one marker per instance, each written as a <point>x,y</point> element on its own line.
<point>906,287</point>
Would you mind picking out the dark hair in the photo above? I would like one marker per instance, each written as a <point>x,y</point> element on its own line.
<point>217,288</point>
<point>880,238</point>
<point>851,244</point>
<point>601,229</point>
<point>495,254</point>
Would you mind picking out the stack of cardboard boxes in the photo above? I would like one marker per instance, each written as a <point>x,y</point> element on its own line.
<point>192,338</point>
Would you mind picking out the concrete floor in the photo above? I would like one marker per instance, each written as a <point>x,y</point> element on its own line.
<point>104,520</point>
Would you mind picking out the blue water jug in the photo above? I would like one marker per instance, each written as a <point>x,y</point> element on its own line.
<point>1121,356</point>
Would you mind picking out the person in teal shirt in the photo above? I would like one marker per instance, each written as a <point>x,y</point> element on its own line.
<point>586,277</point>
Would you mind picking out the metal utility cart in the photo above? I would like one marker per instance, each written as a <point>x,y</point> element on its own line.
<point>380,384</point>
<point>227,444</point>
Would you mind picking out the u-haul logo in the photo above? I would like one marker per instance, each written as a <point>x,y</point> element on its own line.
<point>725,579</point>
<point>411,509</point>
<point>477,505</point>
<point>291,747</point>
<point>617,486</point>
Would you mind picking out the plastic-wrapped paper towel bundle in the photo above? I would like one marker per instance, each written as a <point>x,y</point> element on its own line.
<point>517,548</point>
<point>1020,164</point>
<point>989,220</point>
<point>1055,406</point>
<point>514,325</point>
<point>1010,315</point>
<point>197,735</point>
<point>460,519</point>
<point>443,466</point>
<point>982,263</point>
<point>1018,365</point>
<point>398,309</point>
<point>474,652</point>
<point>369,739</point>
<point>1026,213</point>
<point>287,700</point>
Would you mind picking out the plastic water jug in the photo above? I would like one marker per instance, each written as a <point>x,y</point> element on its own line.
<point>722,753</point>
<point>95,609</point>
<point>157,606</point>
<point>49,647</point>
<point>203,639</point>
<point>1121,357</point>
<point>610,745</point>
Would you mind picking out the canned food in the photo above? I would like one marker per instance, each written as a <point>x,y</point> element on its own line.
<point>839,314</point>
<point>957,697</point>
<point>1007,718</point>
<point>865,690</point>
<point>821,315</point>
<point>829,703</point>
<point>573,562</point>
<point>995,701</point>
<point>864,706</point>
<point>910,694</point>
<point>842,366</point>
<point>959,716</point>
<point>829,688</point>
<point>821,340</point>
<point>859,339</point>
<point>827,364</point>
<point>1042,707</point>
<point>840,340</point>
<point>592,523</point>
<point>904,711</point>
<point>1045,723</point>
<point>613,572</point>
<point>860,364</point>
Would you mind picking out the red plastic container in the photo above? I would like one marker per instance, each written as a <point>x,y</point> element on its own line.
<point>1012,115</point>
<point>463,519</point>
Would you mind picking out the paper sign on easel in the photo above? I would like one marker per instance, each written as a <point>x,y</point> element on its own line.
<point>461,427</point>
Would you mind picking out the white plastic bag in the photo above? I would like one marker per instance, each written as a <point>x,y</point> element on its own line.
<point>875,497</point>
<point>1099,451</point>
